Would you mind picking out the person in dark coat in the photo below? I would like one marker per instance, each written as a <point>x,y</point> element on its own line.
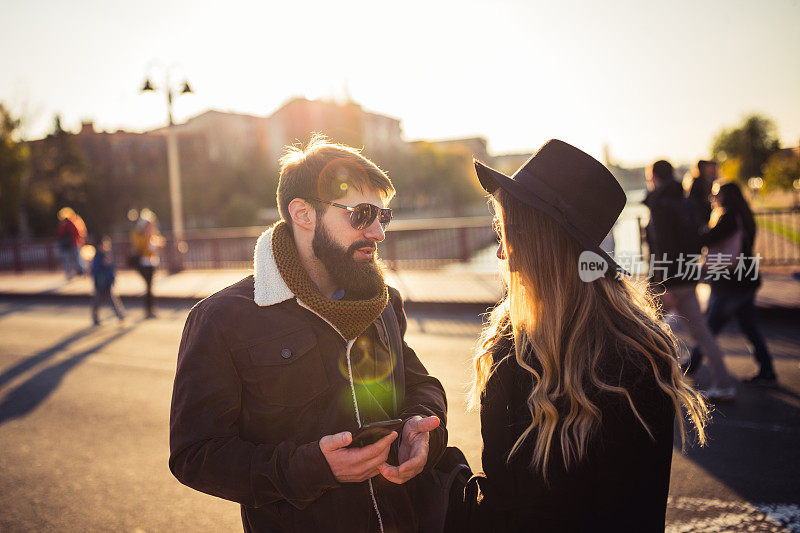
<point>699,189</point>
<point>277,372</point>
<point>672,237</point>
<point>735,278</point>
<point>577,380</point>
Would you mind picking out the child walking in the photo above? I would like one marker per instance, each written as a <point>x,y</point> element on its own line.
<point>104,274</point>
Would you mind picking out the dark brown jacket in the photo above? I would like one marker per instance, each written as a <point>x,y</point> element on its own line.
<point>257,386</point>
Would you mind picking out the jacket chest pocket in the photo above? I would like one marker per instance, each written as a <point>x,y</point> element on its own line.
<point>287,370</point>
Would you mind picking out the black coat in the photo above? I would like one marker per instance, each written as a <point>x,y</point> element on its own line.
<point>742,275</point>
<point>700,194</point>
<point>673,233</point>
<point>621,485</point>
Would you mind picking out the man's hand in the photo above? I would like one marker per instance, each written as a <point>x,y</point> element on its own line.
<point>413,452</point>
<point>352,465</point>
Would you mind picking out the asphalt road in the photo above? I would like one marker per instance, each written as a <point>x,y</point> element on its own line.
<point>84,427</point>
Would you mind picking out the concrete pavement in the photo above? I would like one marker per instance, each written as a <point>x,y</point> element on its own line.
<point>193,285</point>
<point>465,286</point>
<point>84,426</point>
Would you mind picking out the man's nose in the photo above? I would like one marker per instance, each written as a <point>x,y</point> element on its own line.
<point>375,231</point>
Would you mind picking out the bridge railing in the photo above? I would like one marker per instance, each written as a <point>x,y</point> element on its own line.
<point>429,243</point>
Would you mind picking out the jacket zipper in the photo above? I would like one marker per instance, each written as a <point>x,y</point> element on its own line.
<point>350,344</point>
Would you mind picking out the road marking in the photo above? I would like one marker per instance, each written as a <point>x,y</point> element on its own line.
<point>719,516</point>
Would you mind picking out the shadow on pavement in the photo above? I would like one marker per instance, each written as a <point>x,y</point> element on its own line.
<point>28,395</point>
<point>7,309</point>
<point>754,445</point>
<point>29,362</point>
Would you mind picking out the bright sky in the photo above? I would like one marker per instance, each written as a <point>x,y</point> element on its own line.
<point>650,79</point>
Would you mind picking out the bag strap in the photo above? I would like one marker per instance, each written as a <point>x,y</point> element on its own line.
<point>392,328</point>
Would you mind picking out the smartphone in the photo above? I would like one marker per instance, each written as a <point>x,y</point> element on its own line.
<point>374,431</point>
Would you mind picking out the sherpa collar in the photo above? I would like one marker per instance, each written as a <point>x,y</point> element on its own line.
<point>270,289</point>
<point>349,317</point>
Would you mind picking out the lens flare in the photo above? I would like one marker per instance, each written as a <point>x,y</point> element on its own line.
<point>340,175</point>
<point>372,362</point>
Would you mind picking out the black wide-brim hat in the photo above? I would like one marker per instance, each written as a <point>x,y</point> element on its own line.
<point>571,187</point>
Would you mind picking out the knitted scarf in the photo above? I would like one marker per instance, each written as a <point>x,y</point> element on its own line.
<point>350,317</point>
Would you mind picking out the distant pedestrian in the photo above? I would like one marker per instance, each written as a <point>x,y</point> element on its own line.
<point>698,189</point>
<point>731,236</point>
<point>675,251</point>
<point>146,242</point>
<point>104,275</point>
<point>71,235</point>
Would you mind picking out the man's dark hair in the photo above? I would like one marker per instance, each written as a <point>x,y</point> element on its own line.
<point>326,170</point>
<point>662,170</point>
<point>732,200</point>
<point>701,167</point>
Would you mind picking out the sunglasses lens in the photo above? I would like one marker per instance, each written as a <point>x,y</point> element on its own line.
<point>384,217</point>
<point>363,215</point>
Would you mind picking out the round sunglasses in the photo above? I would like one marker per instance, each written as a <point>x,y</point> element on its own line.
<point>364,214</point>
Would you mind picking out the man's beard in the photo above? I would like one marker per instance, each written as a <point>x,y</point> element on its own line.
<point>360,280</point>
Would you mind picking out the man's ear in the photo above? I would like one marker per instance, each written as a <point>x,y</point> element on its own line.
<point>302,214</point>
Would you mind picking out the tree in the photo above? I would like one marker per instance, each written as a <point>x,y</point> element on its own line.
<point>228,193</point>
<point>781,170</point>
<point>60,177</point>
<point>14,159</point>
<point>427,175</point>
<point>752,143</point>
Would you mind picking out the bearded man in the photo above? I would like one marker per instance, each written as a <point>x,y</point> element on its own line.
<point>278,371</point>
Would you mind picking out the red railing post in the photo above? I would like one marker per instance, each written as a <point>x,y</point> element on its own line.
<point>174,254</point>
<point>216,258</point>
<point>391,251</point>
<point>463,236</point>
<point>51,256</point>
<point>17,257</point>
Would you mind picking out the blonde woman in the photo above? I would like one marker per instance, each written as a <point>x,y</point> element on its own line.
<point>146,242</point>
<point>577,380</point>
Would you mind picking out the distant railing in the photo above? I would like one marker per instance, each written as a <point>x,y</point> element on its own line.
<point>429,243</point>
<point>420,243</point>
<point>778,237</point>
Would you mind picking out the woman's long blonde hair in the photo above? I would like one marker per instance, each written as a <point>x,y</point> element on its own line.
<point>564,328</point>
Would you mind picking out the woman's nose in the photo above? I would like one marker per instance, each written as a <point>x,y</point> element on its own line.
<point>501,252</point>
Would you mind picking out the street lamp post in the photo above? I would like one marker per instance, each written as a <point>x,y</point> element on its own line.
<point>173,167</point>
<point>755,184</point>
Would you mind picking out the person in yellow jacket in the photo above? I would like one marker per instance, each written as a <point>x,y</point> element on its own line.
<point>146,242</point>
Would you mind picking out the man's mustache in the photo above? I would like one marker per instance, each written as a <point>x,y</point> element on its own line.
<point>361,244</point>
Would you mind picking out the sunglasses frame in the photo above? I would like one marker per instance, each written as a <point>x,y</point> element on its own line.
<point>353,209</point>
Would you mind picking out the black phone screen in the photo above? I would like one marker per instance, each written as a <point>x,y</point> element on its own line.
<point>374,431</point>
